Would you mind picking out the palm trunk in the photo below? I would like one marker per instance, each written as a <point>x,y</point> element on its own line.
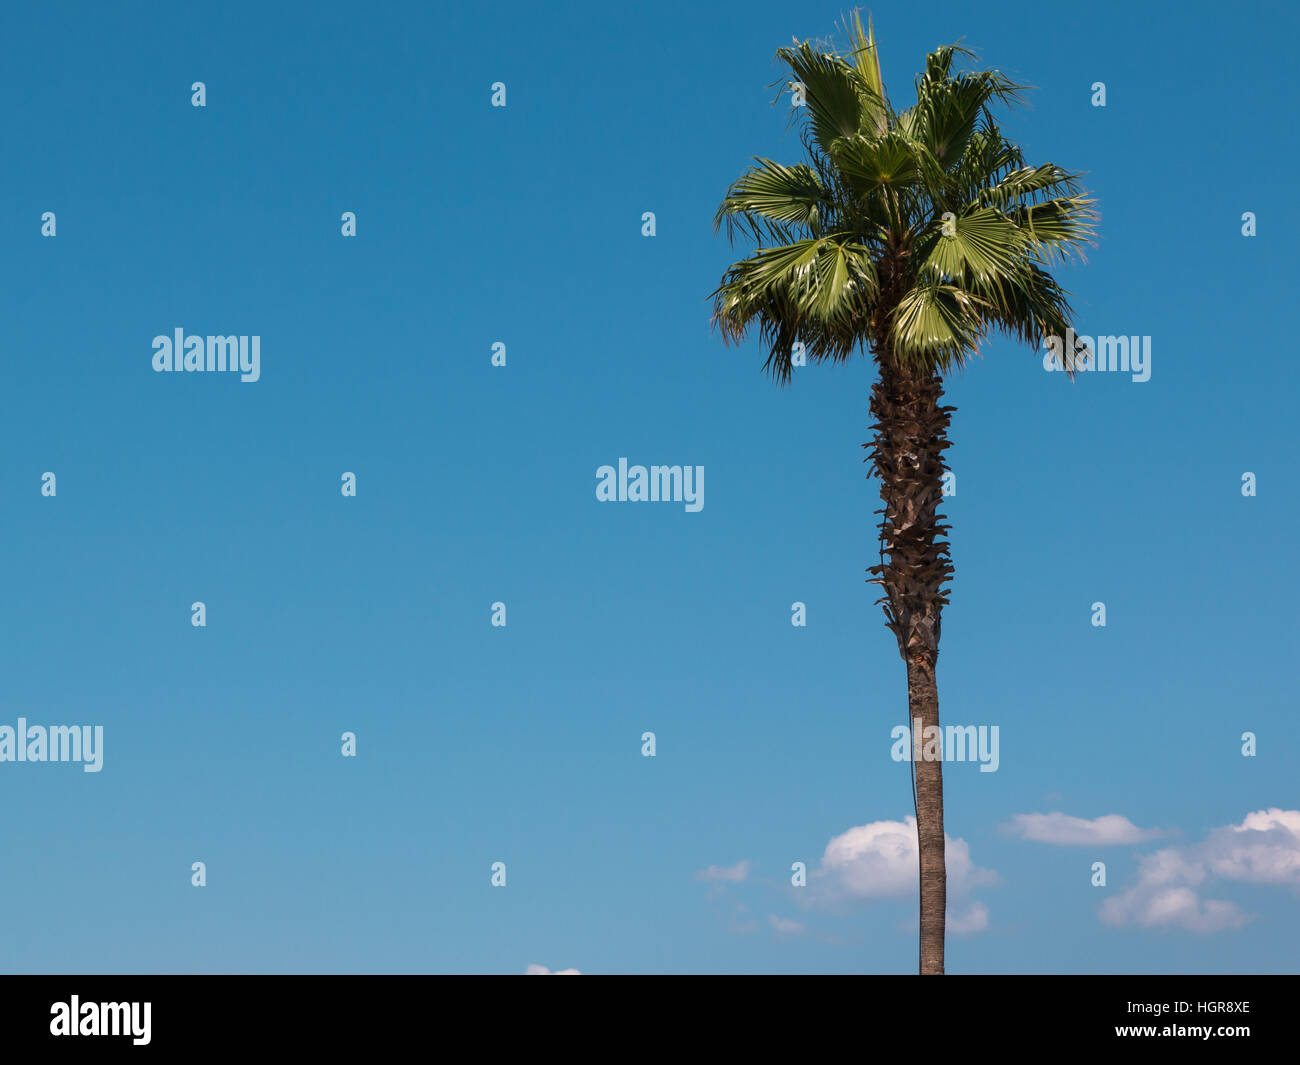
<point>923,701</point>
<point>911,433</point>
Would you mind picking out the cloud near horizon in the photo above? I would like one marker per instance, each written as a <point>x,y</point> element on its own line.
<point>1263,849</point>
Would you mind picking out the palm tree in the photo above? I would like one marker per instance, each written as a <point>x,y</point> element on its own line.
<point>910,235</point>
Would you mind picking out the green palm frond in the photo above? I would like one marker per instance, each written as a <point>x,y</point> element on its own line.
<point>833,91</point>
<point>937,325</point>
<point>866,58</point>
<point>871,162</point>
<point>982,243</point>
<point>770,199</point>
<point>1031,307</point>
<point>1029,181</point>
<point>1059,228</point>
<point>819,290</point>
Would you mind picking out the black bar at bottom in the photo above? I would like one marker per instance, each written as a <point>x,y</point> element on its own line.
<point>375,1014</point>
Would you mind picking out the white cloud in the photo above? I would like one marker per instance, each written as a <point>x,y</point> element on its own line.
<point>726,874</point>
<point>879,860</point>
<point>542,970</point>
<point>1263,849</point>
<point>1066,831</point>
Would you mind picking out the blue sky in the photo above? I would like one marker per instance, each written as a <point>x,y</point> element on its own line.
<point>476,484</point>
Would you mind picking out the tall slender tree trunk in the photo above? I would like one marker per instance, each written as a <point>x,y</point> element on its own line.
<point>923,701</point>
<point>911,433</point>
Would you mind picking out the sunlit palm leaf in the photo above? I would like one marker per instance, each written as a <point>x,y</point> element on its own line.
<point>788,196</point>
<point>937,325</point>
<point>981,241</point>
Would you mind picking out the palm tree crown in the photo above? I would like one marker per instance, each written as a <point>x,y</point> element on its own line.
<point>913,232</point>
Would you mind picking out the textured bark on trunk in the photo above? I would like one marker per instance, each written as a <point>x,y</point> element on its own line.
<point>923,701</point>
<point>911,433</point>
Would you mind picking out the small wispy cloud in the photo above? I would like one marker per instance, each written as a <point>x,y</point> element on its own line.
<point>724,874</point>
<point>1063,830</point>
<point>542,970</point>
<point>785,926</point>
